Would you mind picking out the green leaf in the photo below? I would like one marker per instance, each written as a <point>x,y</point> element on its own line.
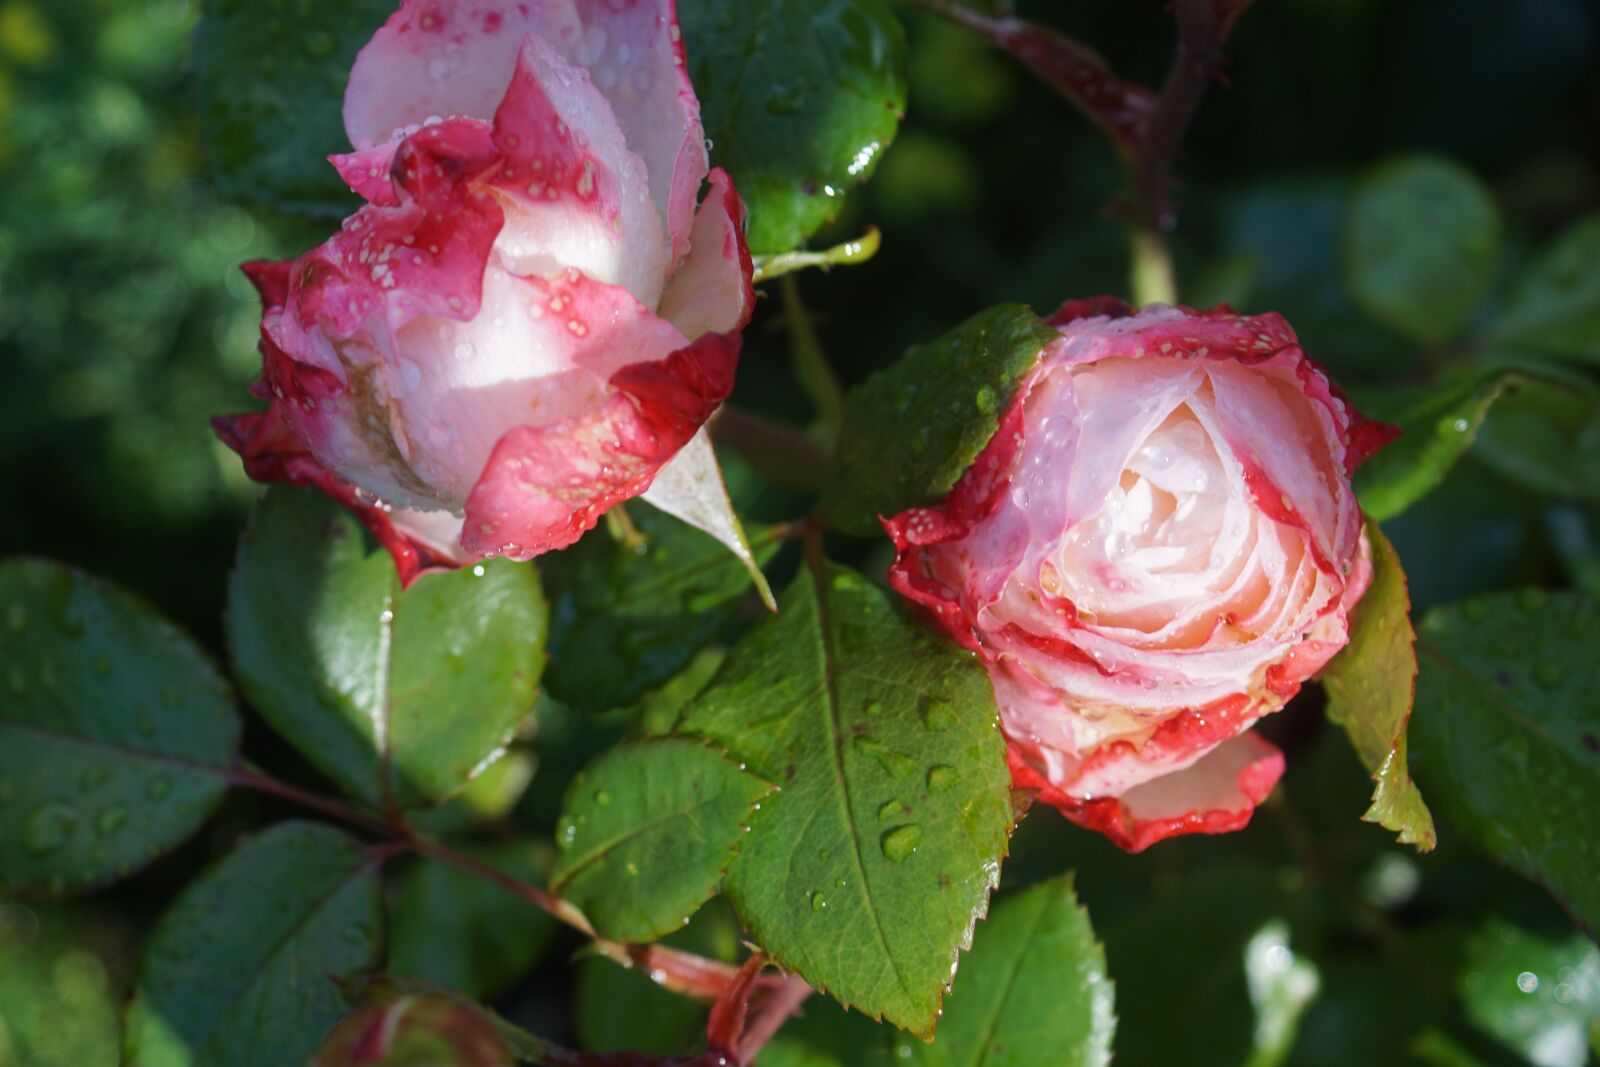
<point>1420,242</point>
<point>1556,308</point>
<point>59,1006</point>
<point>626,618</point>
<point>488,798</point>
<point>1371,684</point>
<point>1539,997</point>
<point>397,696</point>
<point>453,927</point>
<point>1544,435</point>
<point>240,972</point>
<point>1438,423</point>
<point>798,97</point>
<point>1032,990</point>
<point>271,75</point>
<point>912,429</point>
<point>866,871</point>
<point>117,734</point>
<point>1505,737</point>
<point>647,831</point>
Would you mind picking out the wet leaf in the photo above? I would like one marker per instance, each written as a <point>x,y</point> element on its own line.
<point>1371,685</point>
<point>241,970</point>
<point>647,831</point>
<point>866,871</point>
<point>1505,738</point>
<point>397,696</point>
<point>912,429</point>
<point>799,98</point>
<point>627,617</point>
<point>117,734</point>
<point>1033,990</point>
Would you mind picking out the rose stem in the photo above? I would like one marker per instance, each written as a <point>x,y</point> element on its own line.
<point>681,972</point>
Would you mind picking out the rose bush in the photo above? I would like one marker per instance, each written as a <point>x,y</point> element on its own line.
<point>529,320</point>
<point>1156,548</point>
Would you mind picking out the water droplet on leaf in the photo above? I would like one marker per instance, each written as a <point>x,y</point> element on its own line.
<point>901,842</point>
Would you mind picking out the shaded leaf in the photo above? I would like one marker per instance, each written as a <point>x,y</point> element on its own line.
<point>1420,241</point>
<point>866,871</point>
<point>395,695</point>
<point>798,97</point>
<point>453,927</point>
<point>1539,997</point>
<point>912,429</point>
<point>1505,737</point>
<point>1371,685</point>
<point>240,972</point>
<point>1438,423</point>
<point>1033,989</point>
<point>1544,435</point>
<point>488,798</point>
<point>117,734</point>
<point>1556,308</point>
<point>625,618</point>
<point>271,75</point>
<point>647,831</point>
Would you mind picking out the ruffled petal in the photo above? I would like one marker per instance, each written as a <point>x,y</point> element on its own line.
<point>574,194</point>
<point>711,291</point>
<point>419,541</point>
<point>435,59</point>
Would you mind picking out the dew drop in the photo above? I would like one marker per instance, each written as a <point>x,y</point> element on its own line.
<point>889,808</point>
<point>940,778</point>
<point>145,724</point>
<point>1460,426</point>
<point>48,828</point>
<point>92,777</point>
<point>109,821</point>
<point>819,901</point>
<point>158,788</point>
<point>901,842</point>
<point>986,400</point>
<point>937,716</point>
<point>632,868</point>
<point>602,798</point>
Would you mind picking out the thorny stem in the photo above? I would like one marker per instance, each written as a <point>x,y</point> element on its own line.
<point>681,972</point>
<point>1147,128</point>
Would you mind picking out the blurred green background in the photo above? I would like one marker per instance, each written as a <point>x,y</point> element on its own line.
<point>124,325</point>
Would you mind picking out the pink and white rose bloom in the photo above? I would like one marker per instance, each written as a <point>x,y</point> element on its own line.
<point>530,319</point>
<point>1156,548</point>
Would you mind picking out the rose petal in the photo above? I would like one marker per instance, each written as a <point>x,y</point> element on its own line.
<point>711,291</point>
<point>544,486</point>
<point>575,195</point>
<point>418,541</point>
<point>434,58</point>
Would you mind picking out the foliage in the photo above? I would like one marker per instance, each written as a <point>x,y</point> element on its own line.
<point>583,791</point>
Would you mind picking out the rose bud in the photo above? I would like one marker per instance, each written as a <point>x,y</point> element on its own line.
<point>530,319</point>
<point>1157,546</point>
